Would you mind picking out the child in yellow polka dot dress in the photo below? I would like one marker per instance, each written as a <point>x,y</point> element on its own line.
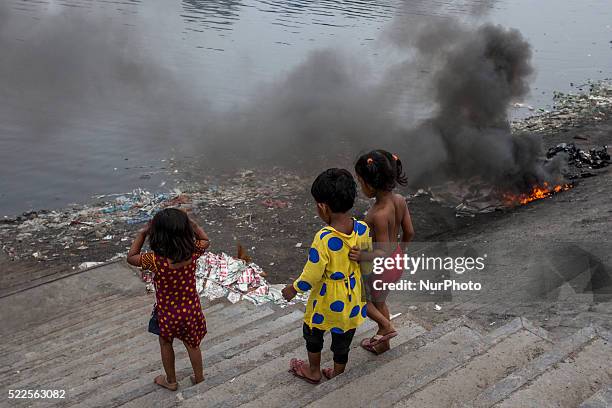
<point>336,302</point>
<point>177,243</point>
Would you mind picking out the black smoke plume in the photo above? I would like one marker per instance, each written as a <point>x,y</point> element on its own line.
<point>475,75</point>
<point>332,105</point>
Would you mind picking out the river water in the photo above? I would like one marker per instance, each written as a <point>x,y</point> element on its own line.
<point>96,96</point>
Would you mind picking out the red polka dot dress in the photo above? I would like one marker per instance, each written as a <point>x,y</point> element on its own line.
<point>179,311</point>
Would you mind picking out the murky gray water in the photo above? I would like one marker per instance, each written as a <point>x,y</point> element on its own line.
<point>93,129</point>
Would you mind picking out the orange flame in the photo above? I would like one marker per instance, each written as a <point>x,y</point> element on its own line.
<point>537,193</point>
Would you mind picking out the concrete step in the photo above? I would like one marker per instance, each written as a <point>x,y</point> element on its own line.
<point>503,389</point>
<point>97,360</point>
<point>83,318</point>
<point>506,349</point>
<point>283,388</point>
<point>601,399</point>
<point>390,372</point>
<point>137,384</point>
<point>93,354</point>
<point>26,275</point>
<point>60,321</point>
<point>219,371</point>
<point>146,362</point>
<point>144,346</point>
<point>41,304</point>
<point>391,368</point>
<point>123,318</point>
<point>569,382</point>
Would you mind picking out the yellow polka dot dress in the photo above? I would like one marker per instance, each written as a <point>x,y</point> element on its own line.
<point>179,311</point>
<point>336,302</point>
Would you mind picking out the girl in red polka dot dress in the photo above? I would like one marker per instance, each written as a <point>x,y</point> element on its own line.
<point>176,243</point>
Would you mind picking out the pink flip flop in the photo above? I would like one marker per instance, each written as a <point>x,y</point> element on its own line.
<point>366,344</point>
<point>296,369</point>
<point>328,373</point>
<point>384,338</point>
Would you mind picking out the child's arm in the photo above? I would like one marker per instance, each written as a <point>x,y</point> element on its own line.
<point>200,236</point>
<point>407,229</point>
<point>312,273</point>
<point>133,256</point>
<point>380,235</point>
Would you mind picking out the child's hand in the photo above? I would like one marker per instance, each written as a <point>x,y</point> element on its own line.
<point>289,292</point>
<point>355,254</point>
<point>146,229</point>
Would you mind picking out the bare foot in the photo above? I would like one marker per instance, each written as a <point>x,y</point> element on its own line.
<point>195,381</point>
<point>383,331</point>
<point>302,369</point>
<point>163,382</point>
<point>328,373</point>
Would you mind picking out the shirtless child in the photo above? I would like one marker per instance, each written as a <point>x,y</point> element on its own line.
<point>378,173</point>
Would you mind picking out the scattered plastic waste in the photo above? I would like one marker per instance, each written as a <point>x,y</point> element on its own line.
<point>570,109</point>
<point>221,275</point>
<point>47,235</point>
<point>105,227</point>
<point>87,265</point>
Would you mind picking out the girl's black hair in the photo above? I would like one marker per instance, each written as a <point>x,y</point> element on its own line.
<point>381,170</point>
<point>171,235</point>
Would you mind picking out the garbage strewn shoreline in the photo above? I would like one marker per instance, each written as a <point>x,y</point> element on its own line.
<point>102,230</point>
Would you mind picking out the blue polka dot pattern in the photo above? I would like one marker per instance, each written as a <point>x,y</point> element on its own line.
<point>334,243</point>
<point>324,233</point>
<point>360,228</point>
<point>353,282</point>
<point>337,306</point>
<point>323,290</point>
<point>337,276</point>
<point>317,318</point>
<point>303,286</point>
<point>354,311</point>
<point>364,311</point>
<point>337,330</point>
<point>313,255</point>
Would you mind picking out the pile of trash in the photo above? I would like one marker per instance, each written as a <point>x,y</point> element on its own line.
<point>85,235</point>
<point>571,109</point>
<point>106,227</point>
<point>223,276</point>
<point>595,158</point>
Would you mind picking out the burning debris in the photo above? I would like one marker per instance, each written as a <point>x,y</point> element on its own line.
<point>537,193</point>
<point>472,197</point>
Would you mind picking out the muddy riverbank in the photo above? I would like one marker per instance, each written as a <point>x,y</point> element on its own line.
<point>269,211</point>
